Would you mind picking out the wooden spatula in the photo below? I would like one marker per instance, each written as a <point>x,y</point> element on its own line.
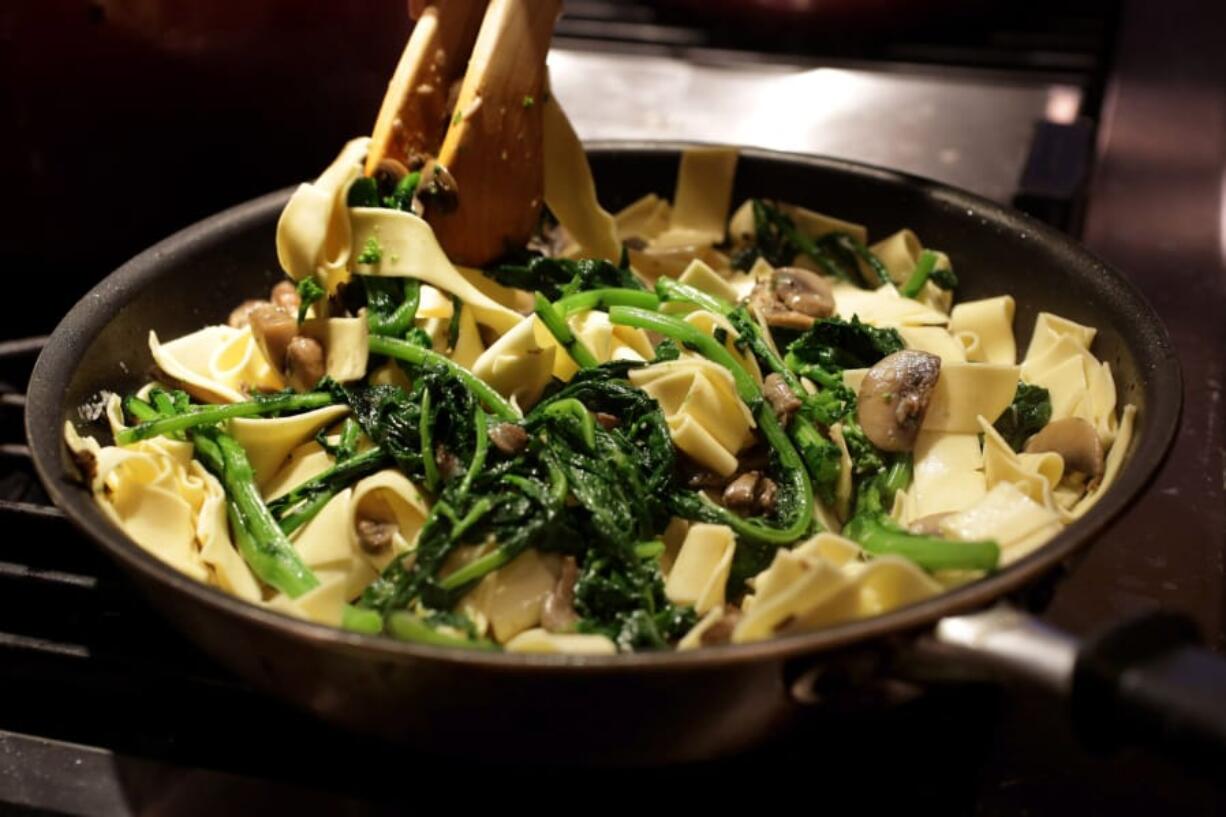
<point>489,141</point>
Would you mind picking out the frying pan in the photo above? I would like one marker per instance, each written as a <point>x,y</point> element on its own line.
<point>1145,678</point>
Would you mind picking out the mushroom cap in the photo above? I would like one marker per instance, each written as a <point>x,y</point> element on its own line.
<point>794,298</point>
<point>1075,440</point>
<point>894,398</point>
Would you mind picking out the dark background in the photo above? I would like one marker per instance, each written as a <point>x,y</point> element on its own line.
<point>124,120</point>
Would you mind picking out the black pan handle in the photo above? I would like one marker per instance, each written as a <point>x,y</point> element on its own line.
<point>1145,680</point>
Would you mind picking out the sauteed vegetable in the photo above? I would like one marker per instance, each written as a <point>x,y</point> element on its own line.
<point>662,428</point>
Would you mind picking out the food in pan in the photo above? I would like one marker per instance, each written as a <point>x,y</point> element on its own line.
<point>664,428</point>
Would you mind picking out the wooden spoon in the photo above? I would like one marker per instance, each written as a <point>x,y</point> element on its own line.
<point>490,140</point>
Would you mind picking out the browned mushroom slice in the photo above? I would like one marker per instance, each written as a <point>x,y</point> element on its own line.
<point>781,397</point>
<point>285,295</point>
<point>894,397</point>
<point>804,291</point>
<point>793,298</point>
<point>558,613</point>
<point>304,363</point>
<point>721,631</point>
<point>375,535</point>
<point>1075,440</point>
<point>273,329</point>
<point>241,316</point>
<point>740,493</point>
<point>765,495</point>
<point>508,438</point>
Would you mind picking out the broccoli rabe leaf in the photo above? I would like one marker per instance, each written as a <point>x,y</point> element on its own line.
<point>1025,416</point>
<point>835,344</point>
<point>557,277</point>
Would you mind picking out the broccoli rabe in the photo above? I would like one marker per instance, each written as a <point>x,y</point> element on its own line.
<point>1025,416</point>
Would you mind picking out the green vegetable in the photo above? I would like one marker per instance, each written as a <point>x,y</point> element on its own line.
<point>391,304</point>
<point>604,298</point>
<point>557,326</point>
<point>777,239</point>
<point>364,192</point>
<point>372,252</point>
<point>1025,416</point>
<point>408,627</point>
<point>359,620</point>
<point>623,599</point>
<point>401,197</point>
<point>919,276</point>
<point>558,277</point>
<point>834,344</point>
<point>261,542</point>
<point>301,504</point>
<point>421,356</point>
<point>309,291</point>
<point>195,416</point>
<point>873,529</point>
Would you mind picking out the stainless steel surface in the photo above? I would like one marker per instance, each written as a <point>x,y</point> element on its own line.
<point>971,133</point>
<point>1005,638</point>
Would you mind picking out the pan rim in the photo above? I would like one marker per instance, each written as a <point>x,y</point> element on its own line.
<point>56,364</point>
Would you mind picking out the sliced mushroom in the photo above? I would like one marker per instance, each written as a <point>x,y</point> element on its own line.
<point>894,397</point>
<point>375,535</point>
<point>781,397</point>
<point>793,298</point>
<point>702,478</point>
<point>273,329</point>
<point>721,631</point>
<point>389,171</point>
<point>438,189</point>
<point>285,295</point>
<point>304,363</point>
<point>558,613</point>
<point>804,291</point>
<point>741,492</point>
<point>607,421</point>
<point>241,316</point>
<point>509,438</point>
<point>1075,440</point>
<point>929,525</point>
<point>765,495</point>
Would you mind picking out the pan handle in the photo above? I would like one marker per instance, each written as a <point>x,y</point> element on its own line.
<point>1145,680</point>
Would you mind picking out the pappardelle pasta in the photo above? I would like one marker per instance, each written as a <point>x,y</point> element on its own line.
<point>667,427</point>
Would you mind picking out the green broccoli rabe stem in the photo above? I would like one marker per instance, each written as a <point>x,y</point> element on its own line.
<point>398,322</point>
<point>790,462</point>
<point>749,331</point>
<point>197,416</point>
<point>424,430</point>
<point>408,627</point>
<point>418,356</point>
<point>693,338</point>
<point>919,276</point>
<point>481,448</point>
<point>670,289</point>
<point>879,536</point>
<point>613,296</point>
<point>874,530</point>
<point>138,408</point>
<point>570,408</point>
<point>305,501</point>
<point>794,475</point>
<point>361,620</point>
<point>866,255</point>
<point>261,542</point>
<point>557,326</point>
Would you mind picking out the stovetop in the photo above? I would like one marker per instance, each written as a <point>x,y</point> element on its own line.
<point>105,709</point>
